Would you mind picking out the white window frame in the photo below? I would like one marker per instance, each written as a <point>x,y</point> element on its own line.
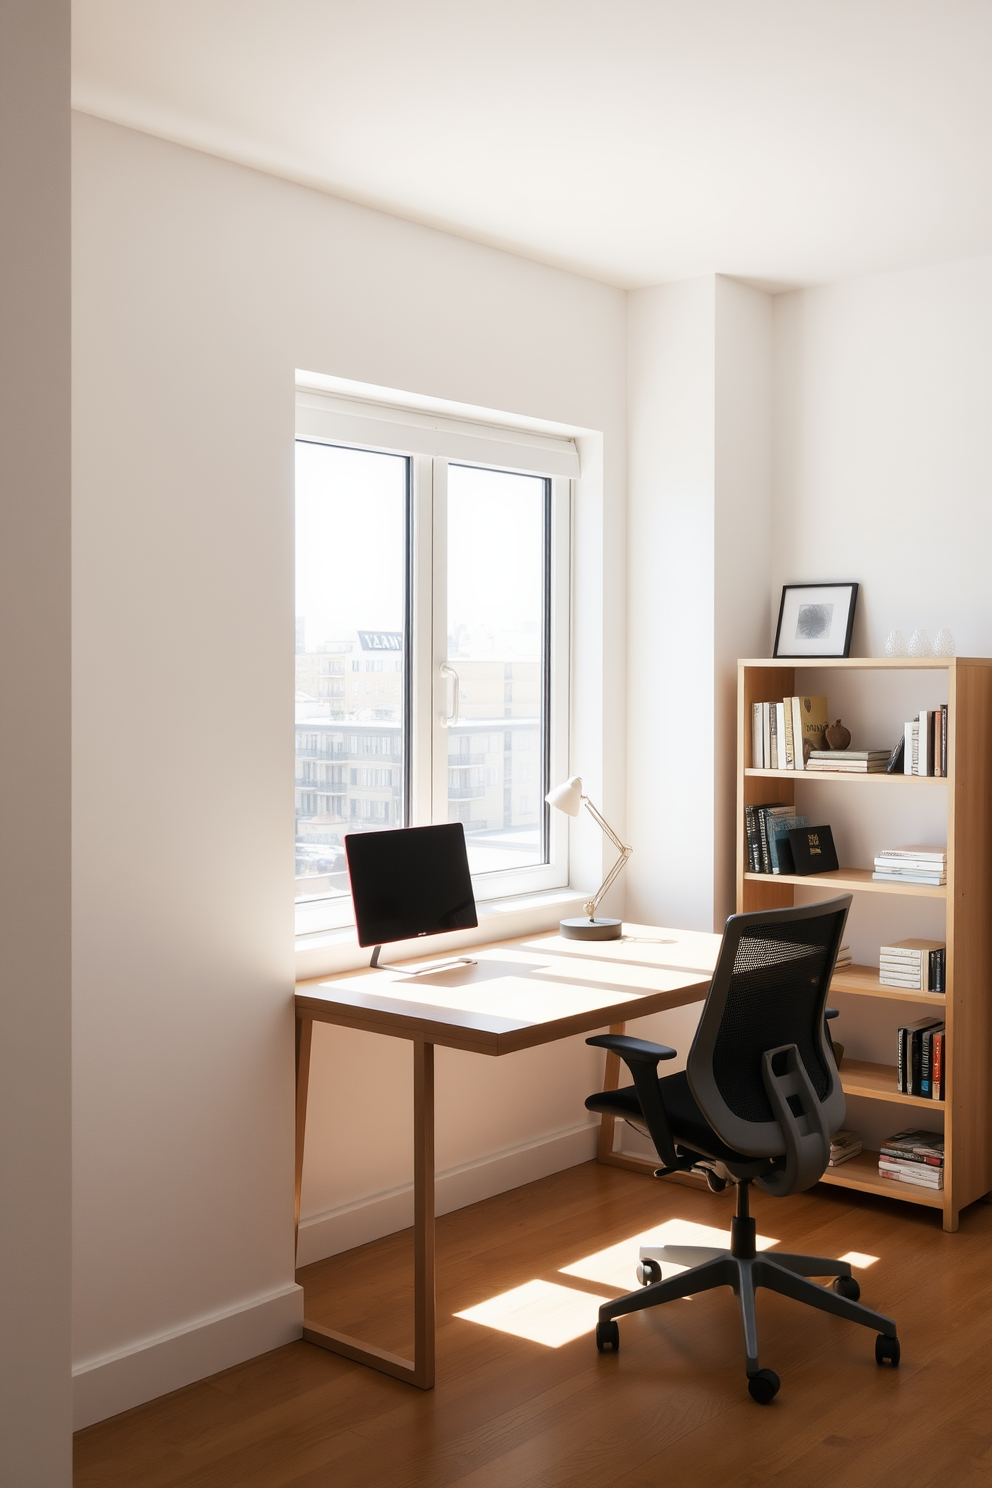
<point>431,443</point>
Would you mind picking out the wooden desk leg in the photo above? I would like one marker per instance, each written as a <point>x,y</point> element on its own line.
<point>304,1038</point>
<point>420,1369</point>
<point>424,1299</point>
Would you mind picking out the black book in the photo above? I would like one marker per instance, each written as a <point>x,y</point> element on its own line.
<point>766,862</point>
<point>894,767</point>
<point>813,850</point>
<point>913,1054</point>
<point>753,840</point>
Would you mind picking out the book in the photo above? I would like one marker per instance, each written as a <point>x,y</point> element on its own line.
<point>773,736</point>
<point>841,765</point>
<point>911,757</point>
<point>926,1061</point>
<point>894,767</point>
<point>938,1064</point>
<point>813,850</point>
<point>762,813</point>
<point>797,733</point>
<point>912,963</point>
<point>843,1146</point>
<point>766,742</point>
<point>925,766</point>
<point>848,754</point>
<point>907,865</point>
<point>753,840</point>
<point>780,736</point>
<point>779,843</point>
<point>918,853</point>
<point>921,878</point>
<point>906,1173</point>
<point>916,1145</point>
<point>790,751</point>
<point>908,1049</point>
<point>757,752</point>
<point>813,719</point>
<point>844,1155</point>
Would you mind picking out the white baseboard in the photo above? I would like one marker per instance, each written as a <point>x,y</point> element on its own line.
<point>327,1234</point>
<point>115,1382</point>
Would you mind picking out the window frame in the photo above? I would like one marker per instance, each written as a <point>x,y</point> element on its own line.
<point>431,443</point>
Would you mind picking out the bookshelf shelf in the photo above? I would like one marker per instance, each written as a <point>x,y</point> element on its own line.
<point>863,981</point>
<point>875,777</point>
<point>862,1173</point>
<point>966,1007</point>
<point>878,1082</point>
<point>851,878</point>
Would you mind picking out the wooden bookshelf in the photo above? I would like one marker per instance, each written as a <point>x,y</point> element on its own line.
<point>967,897</point>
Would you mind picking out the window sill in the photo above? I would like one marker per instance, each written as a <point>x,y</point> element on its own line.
<point>324,952</point>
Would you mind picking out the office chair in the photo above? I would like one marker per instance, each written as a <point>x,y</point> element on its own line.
<point>757,1103</point>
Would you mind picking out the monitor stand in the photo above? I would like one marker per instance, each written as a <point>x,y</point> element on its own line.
<point>420,970</point>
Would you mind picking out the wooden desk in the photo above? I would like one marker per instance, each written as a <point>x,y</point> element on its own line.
<point>523,992</point>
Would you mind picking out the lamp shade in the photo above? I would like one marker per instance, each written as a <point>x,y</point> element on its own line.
<point>567,797</point>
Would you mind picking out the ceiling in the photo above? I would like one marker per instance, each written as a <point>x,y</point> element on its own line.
<point>785,142</point>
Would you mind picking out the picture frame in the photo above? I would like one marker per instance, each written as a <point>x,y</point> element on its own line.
<point>815,620</point>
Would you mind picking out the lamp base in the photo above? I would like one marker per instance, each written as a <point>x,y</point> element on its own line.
<point>586,929</point>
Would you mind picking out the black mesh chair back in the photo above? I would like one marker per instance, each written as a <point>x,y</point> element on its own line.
<point>768,996</point>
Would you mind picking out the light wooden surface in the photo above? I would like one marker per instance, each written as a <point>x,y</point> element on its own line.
<point>875,777</point>
<point>967,1004</point>
<point>519,993</point>
<point>671,1407</point>
<point>844,880</point>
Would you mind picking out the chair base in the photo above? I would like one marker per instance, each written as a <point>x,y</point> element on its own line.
<point>786,1274</point>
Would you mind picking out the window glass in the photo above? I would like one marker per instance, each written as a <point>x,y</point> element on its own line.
<point>351,620</point>
<point>497,623</point>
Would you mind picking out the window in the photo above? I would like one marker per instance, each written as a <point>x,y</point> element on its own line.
<point>437,551</point>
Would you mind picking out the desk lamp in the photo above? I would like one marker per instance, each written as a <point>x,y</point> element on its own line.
<point>569,798</point>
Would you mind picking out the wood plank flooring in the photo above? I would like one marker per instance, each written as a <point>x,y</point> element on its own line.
<point>671,1406</point>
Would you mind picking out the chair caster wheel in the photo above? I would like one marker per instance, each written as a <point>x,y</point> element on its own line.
<point>764,1386</point>
<point>608,1336</point>
<point>846,1286</point>
<point>648,1272</point>
<point>887,1350</point>
<point>714,1183</point>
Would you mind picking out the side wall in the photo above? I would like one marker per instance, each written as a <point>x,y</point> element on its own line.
<point>200,286</point>
<point>35,804</point>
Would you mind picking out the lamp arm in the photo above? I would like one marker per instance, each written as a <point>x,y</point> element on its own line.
<point>591,905</point>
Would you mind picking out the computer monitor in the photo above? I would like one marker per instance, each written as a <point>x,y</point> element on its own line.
<point>410,883</point>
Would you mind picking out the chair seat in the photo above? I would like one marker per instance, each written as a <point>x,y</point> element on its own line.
<point>689,1126</point>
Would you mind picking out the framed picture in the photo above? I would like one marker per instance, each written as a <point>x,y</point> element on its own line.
<point>816,620</point>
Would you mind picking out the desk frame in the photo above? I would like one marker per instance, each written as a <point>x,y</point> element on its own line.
<point>424,1032</point>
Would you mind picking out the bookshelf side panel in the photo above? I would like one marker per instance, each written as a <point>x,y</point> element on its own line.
<point>969,934</point>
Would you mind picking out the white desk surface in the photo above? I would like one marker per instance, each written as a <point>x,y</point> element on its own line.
<point>522,992</point>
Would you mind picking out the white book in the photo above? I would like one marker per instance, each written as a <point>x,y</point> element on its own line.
<point>932,854</point>
<point>914,878</point>
<point>906,953</point>
<point>797,732</point>
<point>783,762</point>
<point>766,736</point>
<point>926,737</point>
<point>907,759</point>
<point>908,865</point>
<point>757,752</point>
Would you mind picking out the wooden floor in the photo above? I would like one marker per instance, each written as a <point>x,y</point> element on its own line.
<point>672,1406</point>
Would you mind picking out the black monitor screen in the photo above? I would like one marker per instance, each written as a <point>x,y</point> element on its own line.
<point>410,883</point>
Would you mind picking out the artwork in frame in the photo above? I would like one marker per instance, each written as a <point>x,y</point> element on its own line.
<point>816,620</point>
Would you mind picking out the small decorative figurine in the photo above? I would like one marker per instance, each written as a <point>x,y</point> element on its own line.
<point>837,736</point>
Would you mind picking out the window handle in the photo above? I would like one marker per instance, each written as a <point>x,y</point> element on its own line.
<point>449,674</point>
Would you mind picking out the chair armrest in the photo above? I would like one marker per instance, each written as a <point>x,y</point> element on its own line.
<point>632,1050</point>
<point>831,1012</point>
<point>642,1058</point>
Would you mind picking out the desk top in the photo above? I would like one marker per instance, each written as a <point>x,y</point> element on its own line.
<point>522,992</point>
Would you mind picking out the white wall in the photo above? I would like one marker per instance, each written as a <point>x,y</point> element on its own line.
<point>35,1417</point>
<point>883,473</point>
<point>699,381</point>
<point>200,286</point>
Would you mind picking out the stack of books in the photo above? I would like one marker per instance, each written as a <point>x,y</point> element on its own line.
<point>779,729</point>
<point>925,750</point>
<point>921,1059</point>
<point>849,761</point>
<point>922,865</point>
<point>767,829</point>
<point>843,1146</point>
<point>843,962</point>
<point>918,965</point>
<point>913,1157</point>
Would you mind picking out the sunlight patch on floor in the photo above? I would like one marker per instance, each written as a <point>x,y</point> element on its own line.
<point>859,1259</point>
<point>616,1266</point>
<point>540,1311</point>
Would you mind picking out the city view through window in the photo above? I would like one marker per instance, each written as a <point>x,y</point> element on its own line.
<point>352,660</point>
